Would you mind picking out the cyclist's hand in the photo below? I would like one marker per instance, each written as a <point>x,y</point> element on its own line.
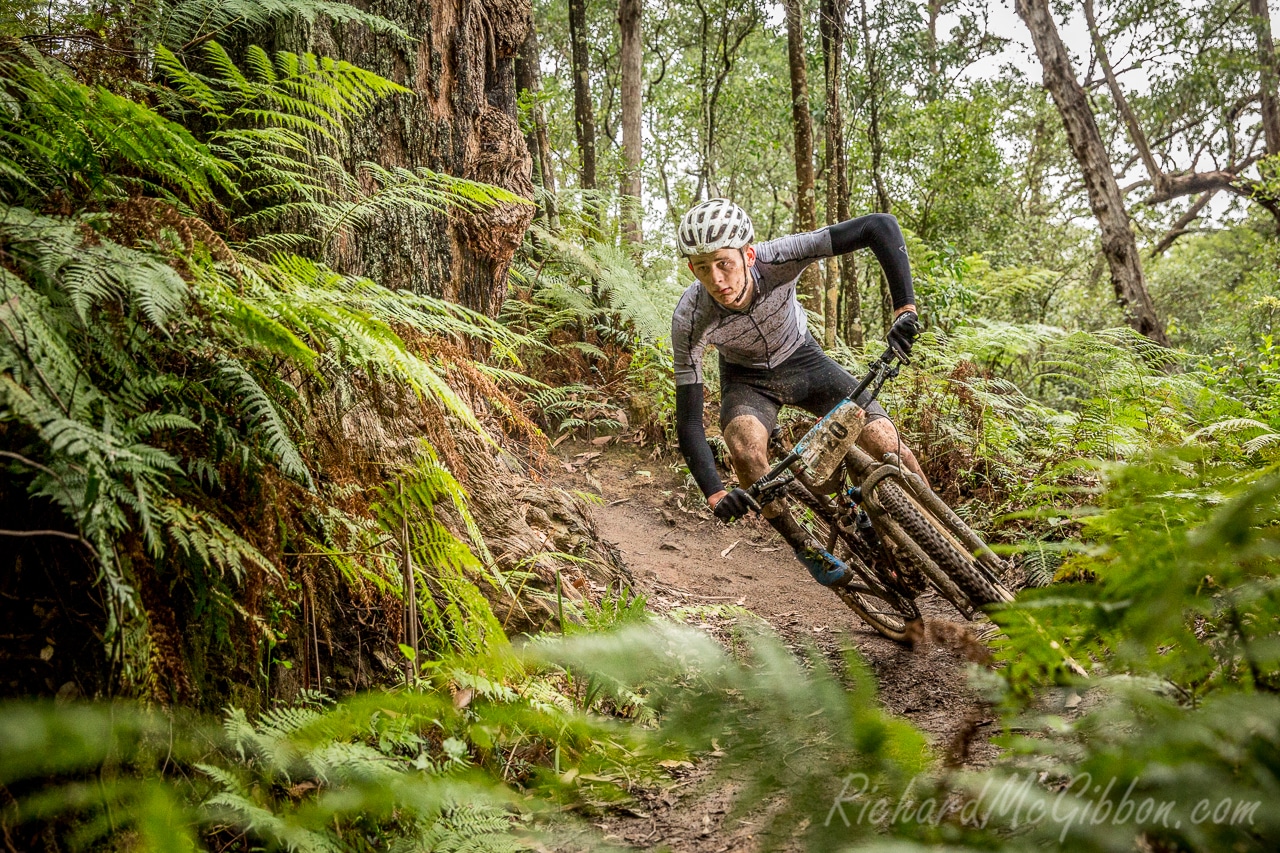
<point>904,332</point>
<point>736,504</point>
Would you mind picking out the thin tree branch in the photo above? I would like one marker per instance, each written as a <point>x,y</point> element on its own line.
<point>61,534</point>
<point>1136,135</point>
<point>1181,225</point>
<point>20,458</point>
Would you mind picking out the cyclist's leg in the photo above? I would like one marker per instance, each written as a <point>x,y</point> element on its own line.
<point>881,436</point>
<point>829,384</point>
<point>748,413</point>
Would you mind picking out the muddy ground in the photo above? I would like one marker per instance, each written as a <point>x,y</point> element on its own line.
<point>681,555</point>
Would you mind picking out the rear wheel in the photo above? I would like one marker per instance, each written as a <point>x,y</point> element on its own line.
<point>874,598</point>
<point>892,620</point>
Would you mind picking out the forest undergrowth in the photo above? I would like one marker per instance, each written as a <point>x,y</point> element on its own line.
<point>188,396</point>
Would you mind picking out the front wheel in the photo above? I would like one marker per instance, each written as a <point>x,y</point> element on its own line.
<point>968,576</point>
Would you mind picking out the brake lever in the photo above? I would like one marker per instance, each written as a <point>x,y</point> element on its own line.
<point>772,490</point>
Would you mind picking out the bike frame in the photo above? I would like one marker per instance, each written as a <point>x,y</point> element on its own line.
<point>882,369</point>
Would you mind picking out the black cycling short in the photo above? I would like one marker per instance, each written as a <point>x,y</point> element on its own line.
<point>810,379</point>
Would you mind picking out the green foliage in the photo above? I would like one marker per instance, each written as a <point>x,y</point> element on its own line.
<point>263,125</point>
<point>60,136</point>
<point>456,617</point>
<point>786,730</point>
<point>158,384</point>
<point>1188,538</point>
<point>300,778</point>
<point>601,328</point>
<point>179,24</point>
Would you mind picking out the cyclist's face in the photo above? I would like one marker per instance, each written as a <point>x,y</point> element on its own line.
<point>724,276</point>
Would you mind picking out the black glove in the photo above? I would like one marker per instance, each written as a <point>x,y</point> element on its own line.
<point>903,333</point>
<point>736,504</point>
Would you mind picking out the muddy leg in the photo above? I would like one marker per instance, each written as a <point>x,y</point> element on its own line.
<point>880,437</point>
<point>748,443</point>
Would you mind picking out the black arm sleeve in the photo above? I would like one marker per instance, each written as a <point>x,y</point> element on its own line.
<point>879,232</point>
<point>693,439</point>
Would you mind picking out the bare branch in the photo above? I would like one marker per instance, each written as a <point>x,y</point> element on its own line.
<point>1122,104</point>
<point>1180,227</point>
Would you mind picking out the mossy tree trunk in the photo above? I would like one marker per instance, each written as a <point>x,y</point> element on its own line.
<point>460,119</point>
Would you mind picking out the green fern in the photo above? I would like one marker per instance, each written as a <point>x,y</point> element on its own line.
<point>177,24</point>
<point>259,409</point>
<point>145,363</point>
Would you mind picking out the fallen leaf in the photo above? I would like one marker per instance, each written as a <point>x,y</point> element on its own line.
<point>587,455</point>
<point>601,441</point>
<point>672,764</point>
<point>593,482</point>
<point>462,698</point>
<point>727,551</point>
<point>561,440</point>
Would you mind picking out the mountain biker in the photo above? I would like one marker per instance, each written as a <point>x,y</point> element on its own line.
<point>744,303</point>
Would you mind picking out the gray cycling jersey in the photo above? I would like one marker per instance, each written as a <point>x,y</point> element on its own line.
<point>764,334</point>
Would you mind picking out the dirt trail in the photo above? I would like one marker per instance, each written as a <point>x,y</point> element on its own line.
<point>675,555</point>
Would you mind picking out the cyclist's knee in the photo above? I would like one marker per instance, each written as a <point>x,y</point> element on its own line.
<point>880,436</point>
<point>748,441</point>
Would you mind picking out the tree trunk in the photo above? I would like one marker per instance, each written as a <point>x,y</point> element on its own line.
<point>802,122</point>
<point>459,120</point>
<point>584,119</point>
<point>876,141</point>
<point>933,10</point>
<point>529,79</point>
<point>838,272</point>
<point>1268,74</point>
<point>1118,244</point>
<point>632,73</point>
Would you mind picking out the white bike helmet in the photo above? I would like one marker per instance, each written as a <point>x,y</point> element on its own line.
<point>715,224</point>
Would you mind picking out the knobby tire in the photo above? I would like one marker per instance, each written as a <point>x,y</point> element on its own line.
<point>918,523</point>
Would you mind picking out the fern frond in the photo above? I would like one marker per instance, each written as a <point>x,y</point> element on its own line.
<point>261,411</point>
<point>1231,426</point>
<point>178,23</point>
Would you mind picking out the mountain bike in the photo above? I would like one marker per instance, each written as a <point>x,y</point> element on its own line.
<point>882,519</point>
